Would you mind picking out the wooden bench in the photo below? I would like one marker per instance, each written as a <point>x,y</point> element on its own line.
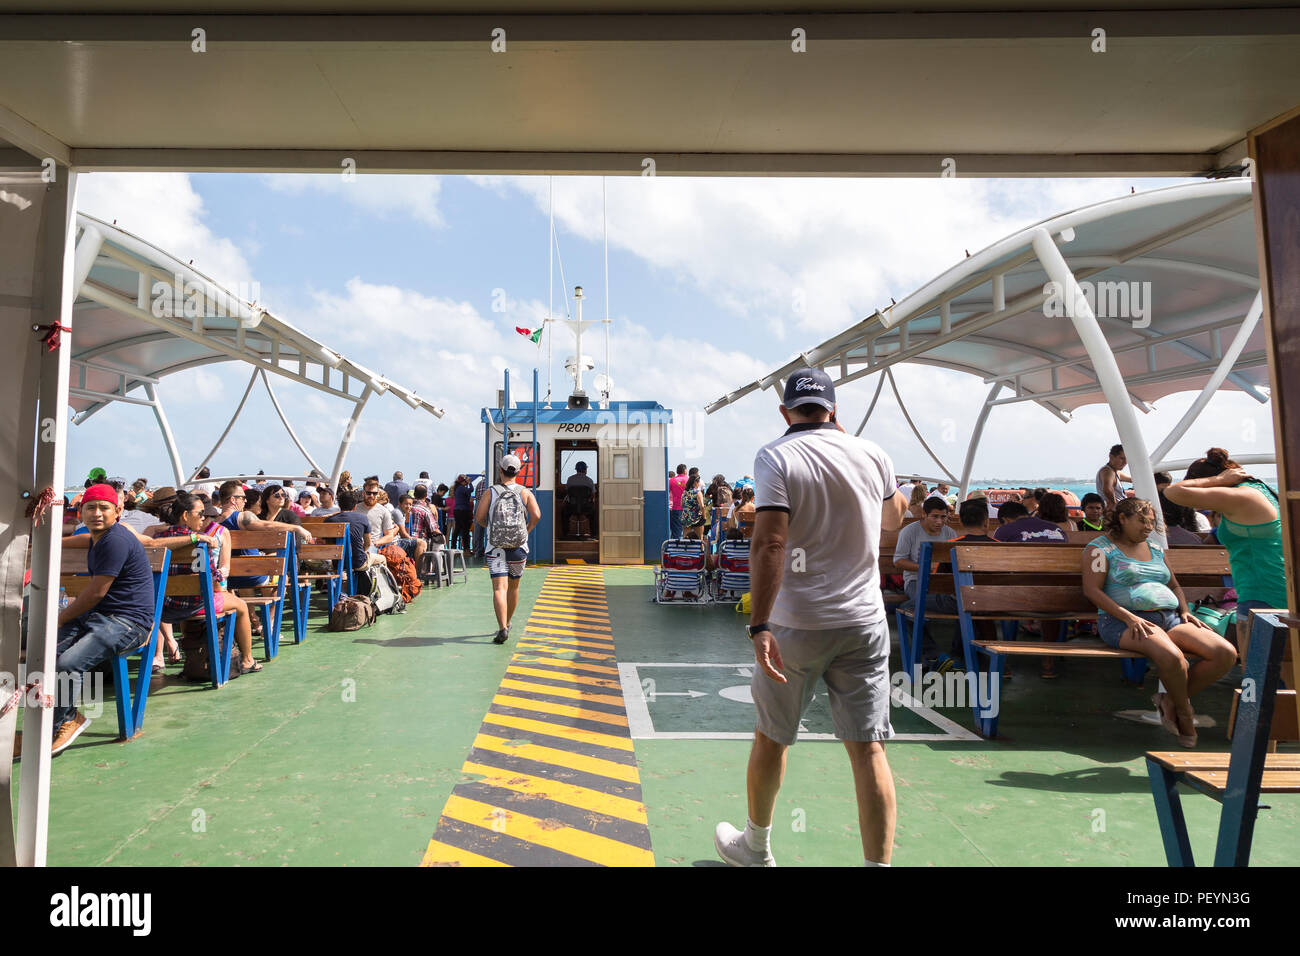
<point>331,545</point>
<point>220,635</point>
<point>74,579</point>
<point>1235,779</point>
<point>277,549</point>
<point>1012,582</point>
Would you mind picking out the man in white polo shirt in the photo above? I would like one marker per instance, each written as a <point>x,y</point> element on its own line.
<point>822,498</point>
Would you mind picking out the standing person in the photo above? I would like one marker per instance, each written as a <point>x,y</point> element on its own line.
<point>480,534</point>
<point>423,481</point>
<point>693,520</point>
<point>396,488</point>
<point>823,497</point>
<point>1110,475</point>
<point>676,488</point>
<point>507,513</point>
<point>1250,527</point>
<point>462,504</point>
<point>438,502</point>
<point>721,498</point>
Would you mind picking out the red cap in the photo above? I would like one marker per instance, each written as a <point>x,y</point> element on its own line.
<point>100,493</point>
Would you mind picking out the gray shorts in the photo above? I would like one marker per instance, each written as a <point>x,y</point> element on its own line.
<point>854,662</point>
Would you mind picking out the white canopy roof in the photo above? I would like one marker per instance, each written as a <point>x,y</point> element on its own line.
<point>141,315</point>
<point>1123,301</point>
<point>1171,269</point>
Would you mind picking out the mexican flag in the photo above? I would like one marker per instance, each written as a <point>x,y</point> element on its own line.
<point>535,336</point>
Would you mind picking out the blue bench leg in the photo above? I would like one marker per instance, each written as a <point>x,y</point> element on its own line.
<point>122,688</point>
<point>300,612</point>
<point>904,642</point>
<point>1169,813</point>
<point>270,632</point>
<point>142,682</point>
<point>991,705</point>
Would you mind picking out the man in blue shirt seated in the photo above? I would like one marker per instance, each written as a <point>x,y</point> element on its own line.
<point>358,535</point>
<point>113,615</point>
<point>1018,525</point>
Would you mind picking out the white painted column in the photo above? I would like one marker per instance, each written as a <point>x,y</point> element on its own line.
<point>57,260</point>
<point>168,438</point>
<point>287,427</point>
<point>1108,374</point>
<point>348,434</point>
<point>975,435</point>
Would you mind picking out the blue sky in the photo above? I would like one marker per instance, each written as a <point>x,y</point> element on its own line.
<point>399,273</point>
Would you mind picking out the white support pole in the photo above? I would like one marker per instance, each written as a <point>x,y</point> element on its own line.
<point>916,431</point>
<point>287,427</point>
<point>88,246</point>
<point>57,259</point>
<point>1212,385</point>
<point>348,435</point>
<point>872,407</point>
<point>1108,374</point>
<point>168,438</point>
<point>252,379</point>
<point>975,435</point>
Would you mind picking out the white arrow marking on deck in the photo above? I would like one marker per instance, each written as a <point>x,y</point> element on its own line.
<point>677,693</point>
<point>745,672</point>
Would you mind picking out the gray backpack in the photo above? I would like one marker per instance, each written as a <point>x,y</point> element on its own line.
<point>508,522</point>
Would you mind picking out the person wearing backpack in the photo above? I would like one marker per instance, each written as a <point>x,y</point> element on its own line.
<point>508,512</point>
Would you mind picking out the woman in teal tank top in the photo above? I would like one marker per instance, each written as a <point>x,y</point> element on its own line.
<point>1141,608</point>
<point>1250,528</point>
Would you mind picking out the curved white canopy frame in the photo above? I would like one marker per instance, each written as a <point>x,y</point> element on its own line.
<point>1123,301</point>
<point>143,315</point>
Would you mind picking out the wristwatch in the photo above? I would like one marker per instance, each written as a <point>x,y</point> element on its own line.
<point>753,629</point>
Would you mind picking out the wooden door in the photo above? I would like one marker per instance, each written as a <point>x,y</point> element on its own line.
<point>622,504</point>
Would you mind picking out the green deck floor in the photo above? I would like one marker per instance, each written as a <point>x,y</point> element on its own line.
<point>282,768</point>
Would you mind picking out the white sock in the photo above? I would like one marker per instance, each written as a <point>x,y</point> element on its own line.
<point>873,863</point>
<point>758,839</point>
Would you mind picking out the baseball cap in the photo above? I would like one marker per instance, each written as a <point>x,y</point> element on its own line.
<point>511,462</point>
<point>806,386</point>
<point>97,475</point>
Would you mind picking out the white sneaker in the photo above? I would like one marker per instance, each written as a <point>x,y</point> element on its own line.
<point>731,846</point>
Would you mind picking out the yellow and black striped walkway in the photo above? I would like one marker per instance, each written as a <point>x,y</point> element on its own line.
<point>555,780</point>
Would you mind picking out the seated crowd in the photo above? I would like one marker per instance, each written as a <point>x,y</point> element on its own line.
<point>114,525</point>
<point>1123,571</point>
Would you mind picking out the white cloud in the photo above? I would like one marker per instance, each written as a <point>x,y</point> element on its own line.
<point>843,246</point>
<point>413,196</point>
<point>164,210</point>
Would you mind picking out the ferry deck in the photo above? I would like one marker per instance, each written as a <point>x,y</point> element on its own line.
<point>419,741</point>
